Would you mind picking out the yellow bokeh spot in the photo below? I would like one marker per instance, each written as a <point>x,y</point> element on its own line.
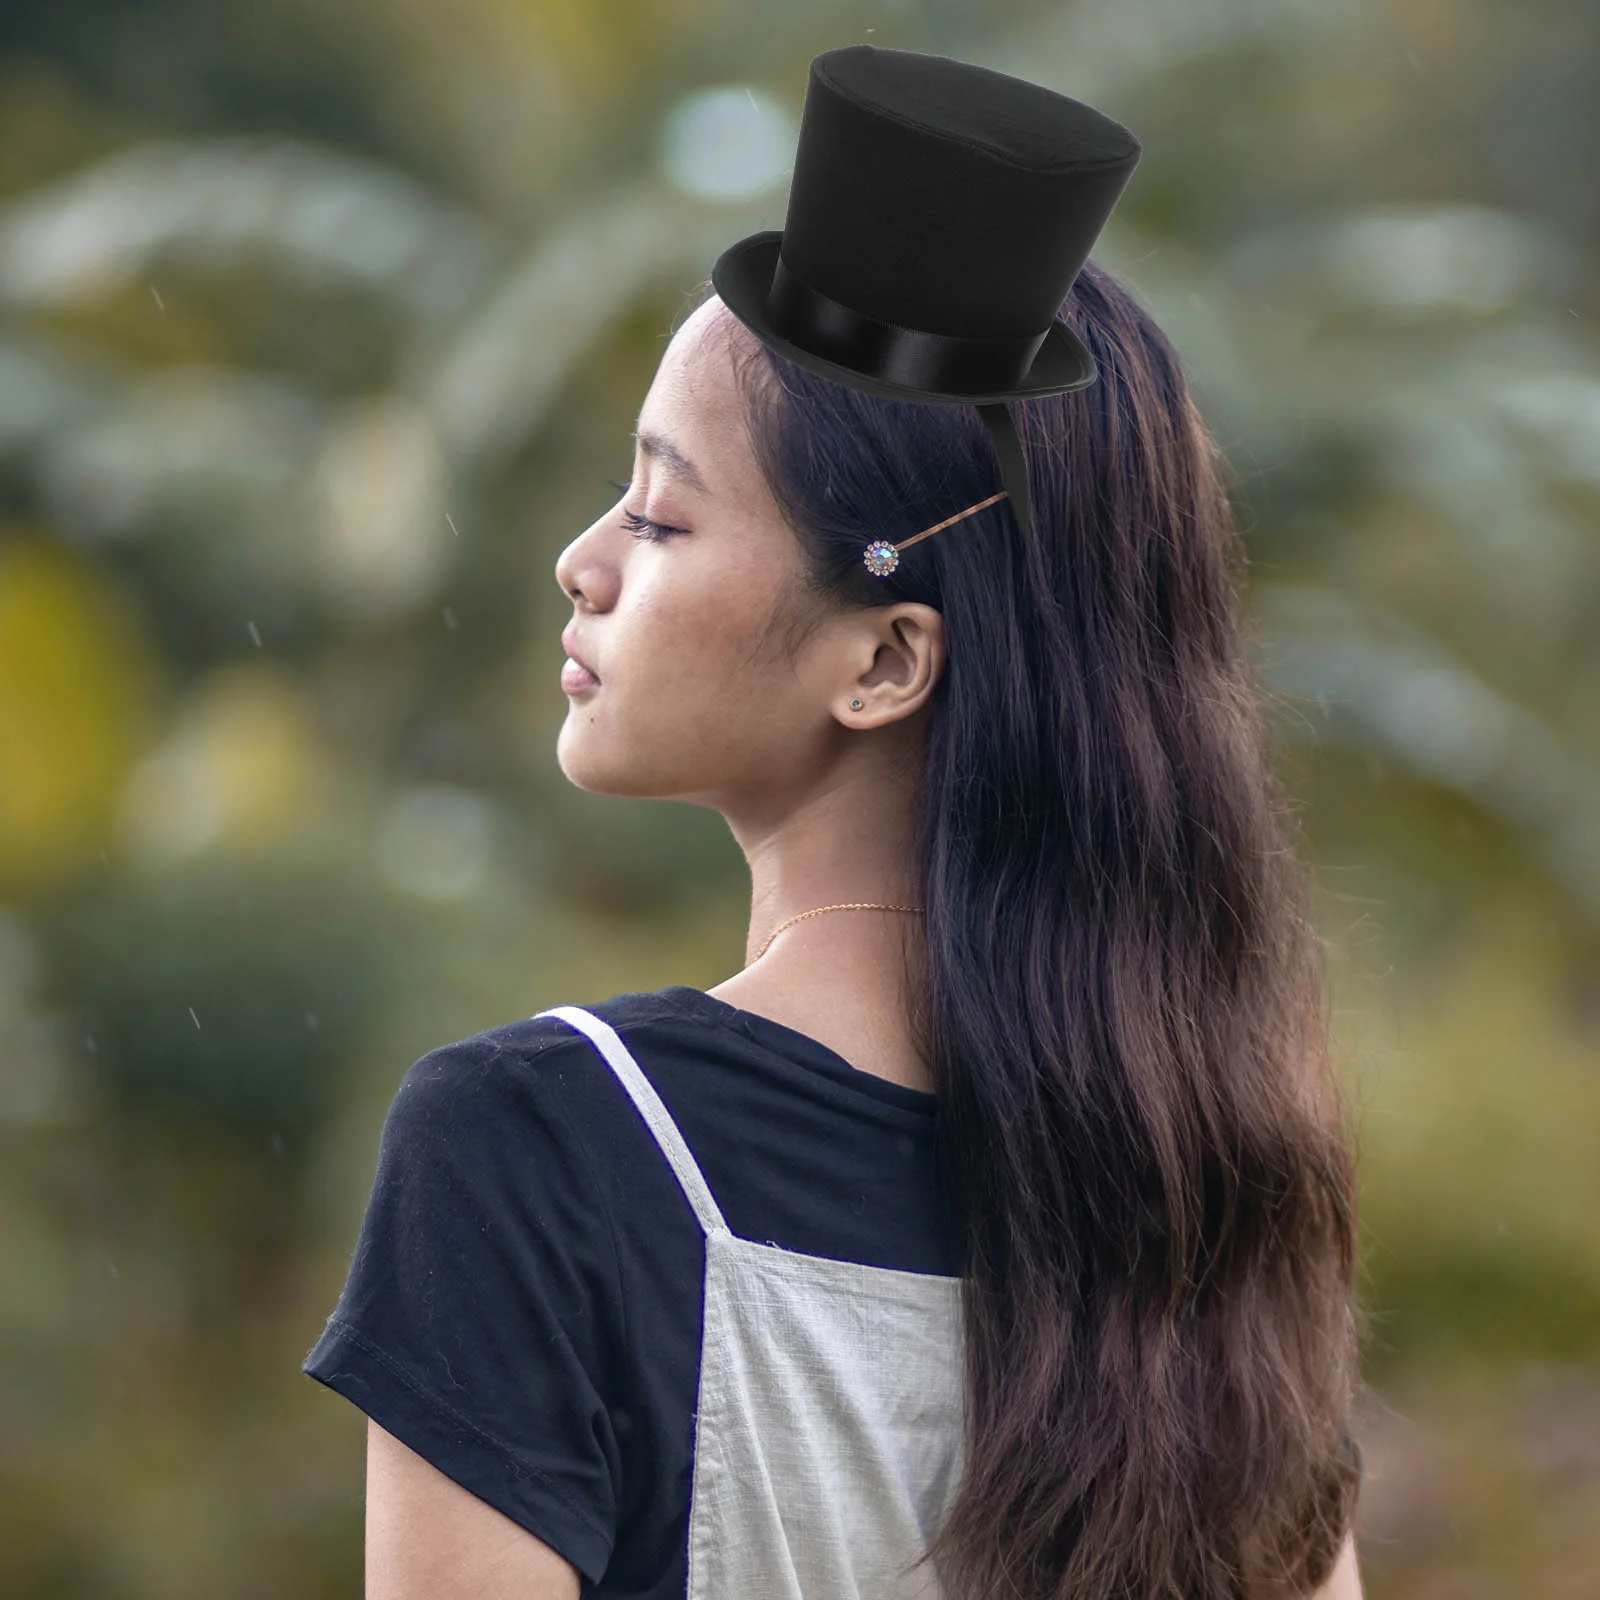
<point>76,681</point>
<point>237,768</point>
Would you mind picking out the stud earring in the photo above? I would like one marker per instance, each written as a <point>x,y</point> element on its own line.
<point>855,705</point>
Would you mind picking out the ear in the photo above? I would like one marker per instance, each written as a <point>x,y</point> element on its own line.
<point>897,654</point>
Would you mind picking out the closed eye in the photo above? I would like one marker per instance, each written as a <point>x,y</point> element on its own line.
<point>643,527</point>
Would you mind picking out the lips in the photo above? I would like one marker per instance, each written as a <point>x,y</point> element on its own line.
<point>570,645</point>
<point>576,679</point>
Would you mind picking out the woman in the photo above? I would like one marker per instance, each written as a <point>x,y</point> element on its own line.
<point>1000,1204</point>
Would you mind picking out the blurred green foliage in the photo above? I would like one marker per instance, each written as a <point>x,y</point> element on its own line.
<point>320,331</point>
<point>284,967</point>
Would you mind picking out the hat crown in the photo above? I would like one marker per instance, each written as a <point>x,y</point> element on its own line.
<point>946,197</point>
<point>938,215</point>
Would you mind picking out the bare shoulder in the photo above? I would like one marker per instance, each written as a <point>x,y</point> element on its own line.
<point>426,1536</point>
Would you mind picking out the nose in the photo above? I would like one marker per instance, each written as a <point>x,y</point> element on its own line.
<point>567,572</point>
<point>566,575</point>
<point>581,571</point>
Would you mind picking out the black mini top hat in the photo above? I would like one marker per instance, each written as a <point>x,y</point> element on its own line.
<point>938,215</point>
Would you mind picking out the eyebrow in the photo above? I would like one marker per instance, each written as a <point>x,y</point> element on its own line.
<point>663,449</point>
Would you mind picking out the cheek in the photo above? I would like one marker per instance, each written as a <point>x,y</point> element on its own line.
<point>690,701</point>
<point>709,687</point>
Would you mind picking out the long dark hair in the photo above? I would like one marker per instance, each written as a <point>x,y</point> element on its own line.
<point>1120,988</point>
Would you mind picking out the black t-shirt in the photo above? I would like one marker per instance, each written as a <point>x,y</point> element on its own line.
<point>524,1301</point>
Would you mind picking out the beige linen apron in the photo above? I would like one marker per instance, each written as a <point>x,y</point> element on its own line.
<point>827,1444</point>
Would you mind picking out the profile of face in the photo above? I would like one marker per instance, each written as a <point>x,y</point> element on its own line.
<point>694,695</point>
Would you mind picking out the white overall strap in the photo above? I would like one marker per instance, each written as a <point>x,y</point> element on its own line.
<point>657,1118</point>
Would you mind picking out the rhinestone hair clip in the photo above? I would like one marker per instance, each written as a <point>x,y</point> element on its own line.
<point>881,558</point>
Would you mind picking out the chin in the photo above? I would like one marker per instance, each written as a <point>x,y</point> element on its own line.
<point>589,769</point>
<point>578,764</point>
<point>585,765</point>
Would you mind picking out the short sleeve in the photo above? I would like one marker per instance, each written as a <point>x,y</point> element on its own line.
<point>481,1316</point>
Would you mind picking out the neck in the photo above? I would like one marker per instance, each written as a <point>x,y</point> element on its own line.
<point>840,846</point>
<point>842,977</point>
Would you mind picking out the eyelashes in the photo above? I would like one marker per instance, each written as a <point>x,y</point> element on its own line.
<point>642,527</point>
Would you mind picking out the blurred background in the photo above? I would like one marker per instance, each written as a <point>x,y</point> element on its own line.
<point>321,330</point>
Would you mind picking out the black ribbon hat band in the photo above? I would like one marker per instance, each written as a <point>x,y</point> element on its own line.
<point>938,215</point>
<point>898,355</point>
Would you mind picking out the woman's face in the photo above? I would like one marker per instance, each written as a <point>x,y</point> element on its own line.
<point>694,699</point>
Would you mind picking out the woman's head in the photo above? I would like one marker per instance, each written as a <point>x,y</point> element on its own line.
<point>725,677</point>
<point>1117,988</point>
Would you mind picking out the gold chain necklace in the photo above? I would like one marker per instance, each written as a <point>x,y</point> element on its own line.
<point>855,905</point>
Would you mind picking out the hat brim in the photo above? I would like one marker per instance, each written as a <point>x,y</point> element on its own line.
<point>742,275</point>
